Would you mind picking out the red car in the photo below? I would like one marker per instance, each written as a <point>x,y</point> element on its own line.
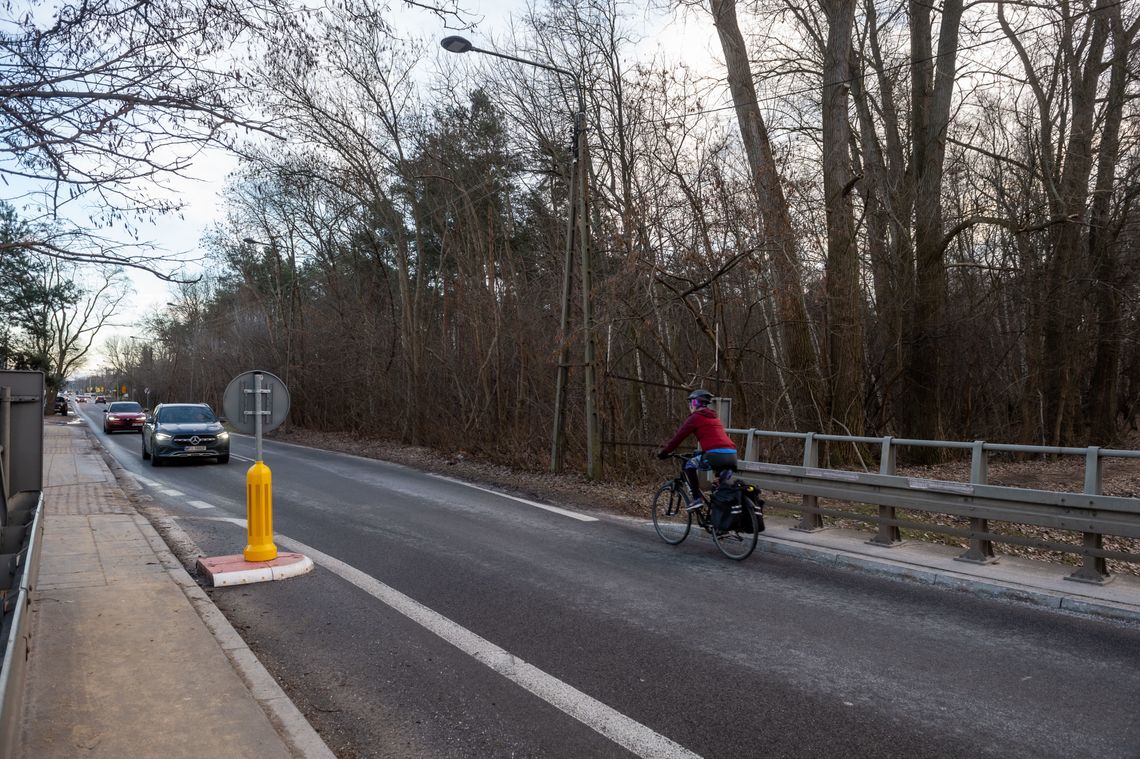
<point>123,415</point>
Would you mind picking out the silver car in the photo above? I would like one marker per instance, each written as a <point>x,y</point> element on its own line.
<point>184,430</point>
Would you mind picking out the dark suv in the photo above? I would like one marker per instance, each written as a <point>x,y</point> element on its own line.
<point>61,405</point>
<point>184,430</point>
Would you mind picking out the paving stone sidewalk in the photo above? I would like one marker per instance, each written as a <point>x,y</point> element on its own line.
<point>123,663</point>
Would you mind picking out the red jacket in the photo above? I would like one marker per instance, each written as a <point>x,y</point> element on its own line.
<point>707,427</point>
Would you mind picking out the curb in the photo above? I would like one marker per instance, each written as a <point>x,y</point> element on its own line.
<point>160,530</point>
<point>223,571</point>
<point>992,588</point>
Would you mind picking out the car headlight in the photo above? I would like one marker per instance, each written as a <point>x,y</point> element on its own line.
<point>161,436</point>
<point>223,436</point>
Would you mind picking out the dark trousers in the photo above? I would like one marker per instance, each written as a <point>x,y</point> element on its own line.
<point>717,462</point>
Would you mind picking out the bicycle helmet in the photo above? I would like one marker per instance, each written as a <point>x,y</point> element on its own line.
<point>700,398</point>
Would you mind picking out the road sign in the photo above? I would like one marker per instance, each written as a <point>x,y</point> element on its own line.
<point>240,402</point>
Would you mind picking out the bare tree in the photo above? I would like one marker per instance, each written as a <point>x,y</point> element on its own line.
<point>843,286</point>
<point>804,382</point>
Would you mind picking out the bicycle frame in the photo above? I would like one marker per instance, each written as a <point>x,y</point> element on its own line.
<point>673,520</point>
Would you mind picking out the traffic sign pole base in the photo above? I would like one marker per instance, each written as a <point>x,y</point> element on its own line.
<point>235,570</point>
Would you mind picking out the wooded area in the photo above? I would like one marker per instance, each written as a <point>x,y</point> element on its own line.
<point>921,222</point>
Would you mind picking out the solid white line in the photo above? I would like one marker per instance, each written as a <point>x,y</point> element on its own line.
<point>201,504</point>
<point>555,509</point>
<point>168,491</point>
<point>240,458</point>
<point>622,730</point>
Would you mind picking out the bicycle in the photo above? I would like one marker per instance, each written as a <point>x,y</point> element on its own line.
<point>673,521</point>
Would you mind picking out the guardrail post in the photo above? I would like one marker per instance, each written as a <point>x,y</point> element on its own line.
<point>981,550</point>
<point>1095,568</point>
<point>750,445</point>
<point>889,534</point>
<point>809,520</point>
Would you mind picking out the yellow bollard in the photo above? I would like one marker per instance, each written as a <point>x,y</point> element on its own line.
<point>259,513</point>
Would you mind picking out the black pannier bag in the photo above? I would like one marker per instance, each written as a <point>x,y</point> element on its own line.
<point>724,506</point>
<point>743,523</point>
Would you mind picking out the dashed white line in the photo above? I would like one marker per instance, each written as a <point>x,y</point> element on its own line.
<point>240,458</point>
<point>201,505</point>
<point>543,506</point>
<point>622,730</point>
<point>174,493</point>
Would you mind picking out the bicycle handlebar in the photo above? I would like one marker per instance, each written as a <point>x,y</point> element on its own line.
<point>680,456</point>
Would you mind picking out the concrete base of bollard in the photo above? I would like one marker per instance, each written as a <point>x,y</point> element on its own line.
<point>235,570</point>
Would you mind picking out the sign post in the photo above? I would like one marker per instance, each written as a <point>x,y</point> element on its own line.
<point>257,402</point>
<point>259,492</point>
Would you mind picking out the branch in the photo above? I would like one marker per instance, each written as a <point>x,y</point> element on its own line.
<point>102,256</point>
<point>724,269</point>
<point>1017,229</point>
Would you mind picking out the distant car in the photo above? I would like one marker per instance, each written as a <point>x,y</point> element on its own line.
<point>81,399</point>
<point>61,405</point>
<point>100,399</point>
<point>184,430</point>
<point>123,415</point>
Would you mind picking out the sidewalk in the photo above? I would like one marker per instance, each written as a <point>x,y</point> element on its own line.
<point>129,657</point>
<point>1036,582</point>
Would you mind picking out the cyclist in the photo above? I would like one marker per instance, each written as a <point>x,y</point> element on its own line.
<point>717,453</point>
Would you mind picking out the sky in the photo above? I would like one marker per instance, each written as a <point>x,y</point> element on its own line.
<point>689,36</point>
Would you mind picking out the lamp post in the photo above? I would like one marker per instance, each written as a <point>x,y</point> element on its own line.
<point>577,225</point>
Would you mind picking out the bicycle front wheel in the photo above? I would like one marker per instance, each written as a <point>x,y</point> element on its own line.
<point>671,517</point>
<point>739,541</point>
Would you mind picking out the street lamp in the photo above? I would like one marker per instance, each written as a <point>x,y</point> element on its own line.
<point>577,224</point>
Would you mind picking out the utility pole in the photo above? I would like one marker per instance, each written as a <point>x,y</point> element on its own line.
<point>577,224</point>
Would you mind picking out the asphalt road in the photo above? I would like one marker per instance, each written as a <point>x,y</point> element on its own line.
<point>447,621</point>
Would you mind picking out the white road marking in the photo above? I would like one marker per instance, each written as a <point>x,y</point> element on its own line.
<point>554,509</point>
<point>168,491</point>
<point>240,458</point>
<point>201,504</point>
<point>622,730</point>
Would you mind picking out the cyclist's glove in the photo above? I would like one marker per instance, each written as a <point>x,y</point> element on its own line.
<point>661,454</point>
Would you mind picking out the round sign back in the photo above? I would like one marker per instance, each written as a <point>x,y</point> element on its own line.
<point>240,404</point>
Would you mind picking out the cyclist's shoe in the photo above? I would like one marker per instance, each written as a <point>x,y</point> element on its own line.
<point>695,504</point>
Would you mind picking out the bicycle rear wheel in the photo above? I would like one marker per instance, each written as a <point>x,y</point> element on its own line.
<point>671,517</point>
<point>739,542</point>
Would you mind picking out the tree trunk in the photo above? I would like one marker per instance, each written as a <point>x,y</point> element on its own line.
<point>1062,290</point>
<point>1105,295</point>
<point>844,332</point>
<point>804,381</point>
<point>932,81</point>
<point>888,199</point>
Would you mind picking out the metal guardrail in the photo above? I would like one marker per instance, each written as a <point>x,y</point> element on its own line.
<point>15,627</point>
<point>1089,513</point>
<point>21,535</point>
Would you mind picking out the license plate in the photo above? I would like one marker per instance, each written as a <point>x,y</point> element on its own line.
<point>195,448</point>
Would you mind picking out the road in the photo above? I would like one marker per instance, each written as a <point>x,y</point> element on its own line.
<point>447,621</point>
